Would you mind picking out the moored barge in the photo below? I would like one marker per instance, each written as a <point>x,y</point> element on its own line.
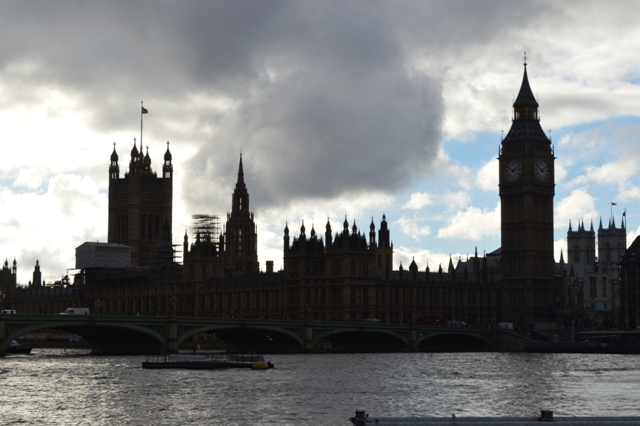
<point>210,361</point>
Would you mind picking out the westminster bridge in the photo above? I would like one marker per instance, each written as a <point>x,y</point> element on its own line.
<point>117,334</point>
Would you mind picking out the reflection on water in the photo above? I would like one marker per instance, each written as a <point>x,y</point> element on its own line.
<point>50,387</point>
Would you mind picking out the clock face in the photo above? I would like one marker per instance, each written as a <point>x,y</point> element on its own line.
<point>542,170</point>
<point>512,171</point>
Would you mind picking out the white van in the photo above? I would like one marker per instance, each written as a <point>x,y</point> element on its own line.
<point>75,311</point>
<point>8,312</point>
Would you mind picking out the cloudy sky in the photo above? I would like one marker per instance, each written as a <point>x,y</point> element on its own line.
<point>356,108</point>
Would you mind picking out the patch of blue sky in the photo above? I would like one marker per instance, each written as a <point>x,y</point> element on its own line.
<point>474,150</point>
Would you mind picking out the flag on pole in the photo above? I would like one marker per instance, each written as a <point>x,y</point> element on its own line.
<point>624,214</point>
<point>612,203</point>
<point>144,110</point>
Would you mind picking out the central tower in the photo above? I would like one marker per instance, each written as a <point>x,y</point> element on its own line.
<point>526,193</point>
<point>241,238</point>
<point>140,207</point>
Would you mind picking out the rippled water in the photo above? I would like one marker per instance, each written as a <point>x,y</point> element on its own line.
<point>51,388</point>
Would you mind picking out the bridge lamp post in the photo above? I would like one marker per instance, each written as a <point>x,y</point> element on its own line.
<point>173,301</point>
<point>97,304</point>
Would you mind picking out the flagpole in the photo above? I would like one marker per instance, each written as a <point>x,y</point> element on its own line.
<point>141,125</point>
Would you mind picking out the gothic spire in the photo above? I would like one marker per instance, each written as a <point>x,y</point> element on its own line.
<point>240,173</point>
<point>525,97</point>
<point>167,154</point>
<point>240,193</point>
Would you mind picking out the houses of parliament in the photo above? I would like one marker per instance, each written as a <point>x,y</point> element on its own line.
<point>343,272</point>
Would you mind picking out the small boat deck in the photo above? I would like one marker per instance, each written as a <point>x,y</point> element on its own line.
<point>209,361</point>
<point>362,419</point>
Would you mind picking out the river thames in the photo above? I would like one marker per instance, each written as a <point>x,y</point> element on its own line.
<point>53,388</point>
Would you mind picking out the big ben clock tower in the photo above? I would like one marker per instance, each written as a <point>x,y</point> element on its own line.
<point>526,193</point>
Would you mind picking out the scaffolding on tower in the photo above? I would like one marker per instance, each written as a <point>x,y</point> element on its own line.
<point>208,226</point>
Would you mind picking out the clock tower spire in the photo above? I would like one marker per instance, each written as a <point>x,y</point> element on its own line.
<point>526,193</point>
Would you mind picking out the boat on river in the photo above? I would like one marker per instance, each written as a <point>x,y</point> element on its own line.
<point>209,361</point>
<point>17,348</point>
<point>593,342</point>
<point>363,419</point>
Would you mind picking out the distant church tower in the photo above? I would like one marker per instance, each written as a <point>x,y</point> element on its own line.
<point>612,244</point>
<point>526,192</point>
<point>581,245</point>
<point>241,238</point>
<point>140,207</point>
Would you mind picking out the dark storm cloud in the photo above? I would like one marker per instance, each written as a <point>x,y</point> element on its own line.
<point>324,97</point>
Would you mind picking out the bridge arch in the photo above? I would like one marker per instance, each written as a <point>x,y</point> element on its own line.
<point>104,337</point>
<point>453,342</point>
<point>364,340</point>
<point>251,338</point>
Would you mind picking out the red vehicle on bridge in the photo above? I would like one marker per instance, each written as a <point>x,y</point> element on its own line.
<point>430,319</point>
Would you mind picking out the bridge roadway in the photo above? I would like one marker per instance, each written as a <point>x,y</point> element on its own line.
<point>116,334</point>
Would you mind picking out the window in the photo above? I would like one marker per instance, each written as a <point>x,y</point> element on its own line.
<point>593,289</point>
<point>604,286</point>
<point>576,253</point>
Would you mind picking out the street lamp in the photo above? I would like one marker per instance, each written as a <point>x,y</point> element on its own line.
<point>97,305</point>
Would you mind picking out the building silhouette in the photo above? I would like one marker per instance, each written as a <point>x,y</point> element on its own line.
<point>141,207</point>
<point>233,251</point>
<point>595,279</point>
<point>526,195</point>
<point>347,274</point>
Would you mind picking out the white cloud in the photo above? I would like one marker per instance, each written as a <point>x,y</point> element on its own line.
<point>411,228</point>
<point>70,212</point>
<point>472,224</point>
<point>628,192</point>
<point>422,257</point>
<point>580,205</point>
<point>632,235</point>
<point>559,172</point>
<point>456,200</point>
<point>617,172</point>
<point>417,201</point>
<point>488,176</point>
<point>560,246</point>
